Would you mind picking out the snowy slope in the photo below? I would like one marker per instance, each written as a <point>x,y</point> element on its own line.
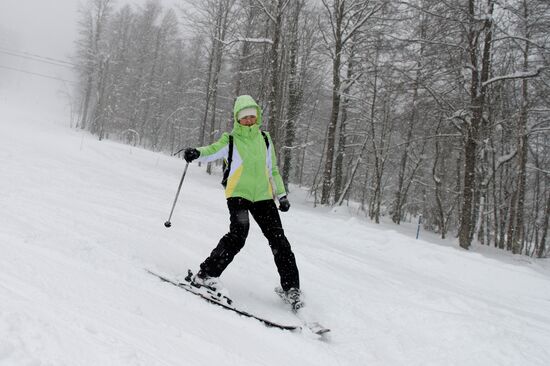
<point>80,219</point>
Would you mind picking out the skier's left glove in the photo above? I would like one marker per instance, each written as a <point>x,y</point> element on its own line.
<point>284,205</point>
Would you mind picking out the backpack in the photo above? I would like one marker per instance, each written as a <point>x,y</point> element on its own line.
<point>227,163</point>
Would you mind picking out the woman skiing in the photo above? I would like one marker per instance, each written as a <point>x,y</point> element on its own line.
<point>252,183</point>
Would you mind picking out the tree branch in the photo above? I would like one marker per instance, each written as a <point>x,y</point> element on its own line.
<point>517,75</point>
<point>267,11</point>
<point>360,23</point>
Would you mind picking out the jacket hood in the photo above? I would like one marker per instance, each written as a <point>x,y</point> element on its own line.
<point>246,101</point>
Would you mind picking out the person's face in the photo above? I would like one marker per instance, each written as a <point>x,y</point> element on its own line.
<point>248,120</point>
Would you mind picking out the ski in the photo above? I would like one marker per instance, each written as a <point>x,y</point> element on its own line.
<point>219,299</point>
<point>313,326</point>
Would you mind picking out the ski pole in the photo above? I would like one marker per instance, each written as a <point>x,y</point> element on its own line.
<point>168,223</point>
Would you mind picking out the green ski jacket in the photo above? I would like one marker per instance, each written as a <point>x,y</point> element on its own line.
<point>254,174</point>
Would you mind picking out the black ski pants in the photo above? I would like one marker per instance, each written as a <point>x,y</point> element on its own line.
<point>265,213</point>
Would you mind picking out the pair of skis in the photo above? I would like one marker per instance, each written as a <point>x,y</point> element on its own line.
<point>223,301</point>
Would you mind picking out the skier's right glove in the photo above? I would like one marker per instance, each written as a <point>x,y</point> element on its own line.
<point>191,154</point>
<point>284,205</point>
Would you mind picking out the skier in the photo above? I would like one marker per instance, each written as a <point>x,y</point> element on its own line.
<point>252,183</point>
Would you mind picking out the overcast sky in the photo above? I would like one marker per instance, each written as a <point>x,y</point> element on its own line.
<point>31,33</point>
<point>35,31</point>
<point>45,27</point>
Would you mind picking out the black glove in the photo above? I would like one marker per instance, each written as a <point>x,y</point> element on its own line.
<point>284,205</point>
<point>191,154</point>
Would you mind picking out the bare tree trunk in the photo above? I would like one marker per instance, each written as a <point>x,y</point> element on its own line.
<point>220,30</point>
<point>480,74</point>
<point>86,102</point>
<point>519,234</point>
<point>94,23</point>
<point>215,79</point>
<point>345,21</point>
<point>329,157</point>
<point>496,201</point>
<point>511,221</point>
<point>216,21</point>
<point>349,183</point>
<point>306,139</point>
<point>374,212</point>
<point>443,213</point>
<point>295,93</point>
<point>342,138</point>
<point>245,51</point>
<point>335,108</point>
<point>364,192</point>
<point>149,91</point>
<point>379,163</point>
<point>274,96</point>
<point>400,194</point>
<point>202,140</point>
<point>99,115</point>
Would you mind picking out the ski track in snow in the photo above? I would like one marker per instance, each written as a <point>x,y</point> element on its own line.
<point>82,218</point>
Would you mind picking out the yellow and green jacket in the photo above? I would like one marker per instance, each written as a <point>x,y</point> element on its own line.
<point>254,174</point>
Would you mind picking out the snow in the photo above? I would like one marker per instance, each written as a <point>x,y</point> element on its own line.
<point>81,219</point>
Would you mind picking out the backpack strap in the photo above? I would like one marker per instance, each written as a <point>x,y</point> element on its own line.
<point>227,164</point>
<point>230,152</point>
<point>265,139</point>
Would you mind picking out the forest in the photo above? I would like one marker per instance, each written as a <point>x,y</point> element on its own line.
<point>415,109</point>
